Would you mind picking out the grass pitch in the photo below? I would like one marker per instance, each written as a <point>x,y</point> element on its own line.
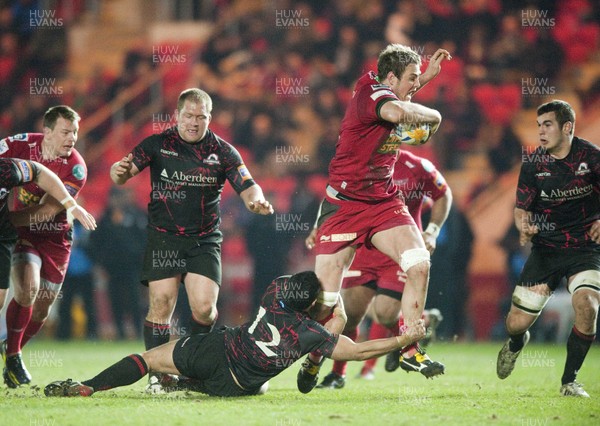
<point>468,394</point>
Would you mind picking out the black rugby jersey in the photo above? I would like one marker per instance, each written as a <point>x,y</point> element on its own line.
<point>13,172</point>
<point>258,351</point>
<point>187,180</point>
<point>562,195</point>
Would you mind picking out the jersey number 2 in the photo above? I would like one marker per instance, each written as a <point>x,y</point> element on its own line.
<point>264,346</point>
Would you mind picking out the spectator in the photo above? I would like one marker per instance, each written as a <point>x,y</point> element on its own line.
<point>79,282</point>
<point>122,225</point>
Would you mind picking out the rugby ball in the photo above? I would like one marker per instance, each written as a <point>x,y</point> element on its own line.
<point>415,133</point>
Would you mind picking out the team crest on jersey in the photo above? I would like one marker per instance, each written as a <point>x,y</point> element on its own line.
<point>212,159</point>
<point>78,171</point>
<point>244,173</point>
<point>19,137</point>
<point>582,169</point>
<point>391,144</point>
<point>439,181</point>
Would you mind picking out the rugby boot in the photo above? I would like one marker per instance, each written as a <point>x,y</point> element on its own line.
<point>392,361</point>
<point>67,388</point>
<point>573,389</point>
<point>15,374</point>
<point>421,363</point>
<point>507,359</point>
<point>308,376</point>
<point>332,381</point>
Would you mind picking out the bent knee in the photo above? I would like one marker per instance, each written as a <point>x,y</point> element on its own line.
<point>205,312</point>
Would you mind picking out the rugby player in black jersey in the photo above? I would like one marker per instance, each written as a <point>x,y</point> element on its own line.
<point>189,165</point>
<point>558,210</point>
<point>241,360</point>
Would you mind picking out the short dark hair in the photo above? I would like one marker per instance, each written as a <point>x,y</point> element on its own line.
<point>563,111</point>
<point>64,111</point>
<point>395,58</point>
<point>194,95</point>
<point>300,290</point>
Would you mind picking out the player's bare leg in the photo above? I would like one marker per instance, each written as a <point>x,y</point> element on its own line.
<point>411,358</point>
<point>330,269</point>
<point>157,327</point>
<point>404,244</point>
<point>527,305</point>
<point>356,303</point>
<point>202,295</point>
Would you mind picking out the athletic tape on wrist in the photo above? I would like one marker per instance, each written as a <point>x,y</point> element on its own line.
<point>328,298</point>
<point>433,229</point>
<point>66,200</point>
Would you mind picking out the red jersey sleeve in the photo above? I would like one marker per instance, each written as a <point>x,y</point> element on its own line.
<point>17,146</point>
<point>434,184</point>
<point>74,175</point>
<point>370,99</point>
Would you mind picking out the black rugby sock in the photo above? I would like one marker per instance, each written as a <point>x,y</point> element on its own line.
<point>578,345</point>
<point>516,342</point>
<point>125,372</point>
<point>197,327</point>
<point>156,334</point>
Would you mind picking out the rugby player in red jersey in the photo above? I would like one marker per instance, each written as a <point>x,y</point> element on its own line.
<point>362,206</point>
<point>41,254</point>
<point>375,278</point>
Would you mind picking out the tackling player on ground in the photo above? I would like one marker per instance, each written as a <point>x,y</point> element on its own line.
<point>240,361</point>
<point>558,210</point>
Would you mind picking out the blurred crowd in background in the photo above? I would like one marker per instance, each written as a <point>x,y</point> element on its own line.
<point>280,74</point>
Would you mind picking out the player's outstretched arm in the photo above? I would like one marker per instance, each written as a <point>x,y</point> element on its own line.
<point>53,186</point>
<point>347,350</point>
<point>255,200</point>
<point>434,67</point>
<point>439,214</point>
<point>123,170</point>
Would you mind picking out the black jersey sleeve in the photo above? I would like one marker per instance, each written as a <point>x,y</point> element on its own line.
<point>236,171</point>
<point>526,188</point>
<point>144,152</point>
<point>14,172</point>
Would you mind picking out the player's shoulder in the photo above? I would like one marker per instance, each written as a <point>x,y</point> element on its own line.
<point>76,167</point>
<point>76,158</point>
<point>26,137</point>
<point>586,145</point>
<point>369,86</point>
<point>218,142</point>
<point>416,164</point>
<point>13,142</point>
